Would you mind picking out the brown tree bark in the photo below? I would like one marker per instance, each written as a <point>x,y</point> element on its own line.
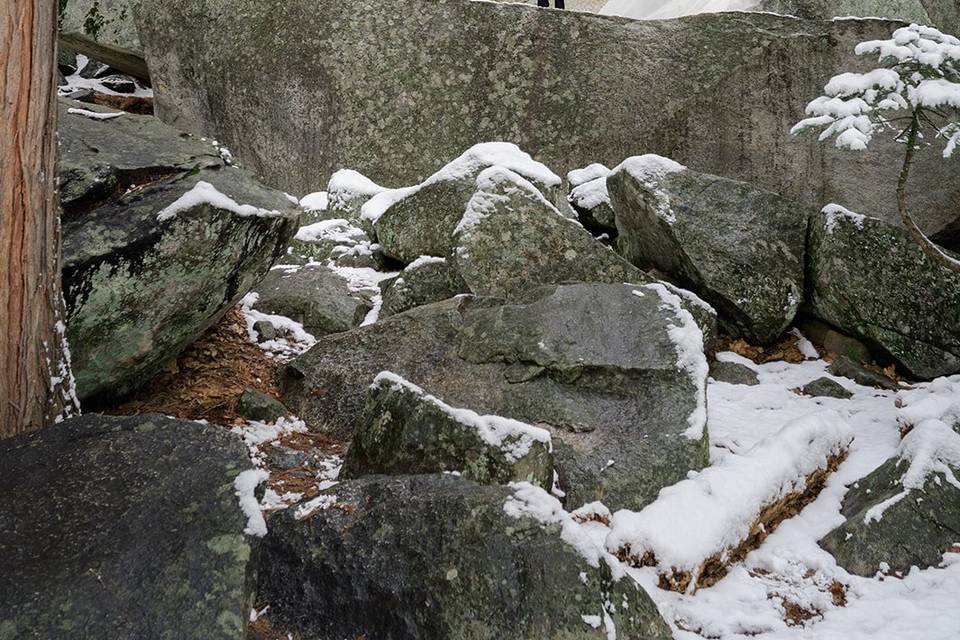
<point>35,379</point>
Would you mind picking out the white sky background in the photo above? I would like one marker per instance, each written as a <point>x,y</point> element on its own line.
<point>664,9</point>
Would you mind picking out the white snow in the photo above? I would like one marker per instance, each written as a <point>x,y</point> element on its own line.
<point>485,155</point>
<point>589,173</point>
<point>294,340</point>
<point>687,338</point>
<point>96,115</point>
<point>346,185</point>
<point>255,434</point>
<point>320,503</point>
<point>205,193</point>
<point>590,195</point>
<point>317,201</point>
<point>423,261</point>
<point>834,213</point>
<point>245,484</point>
<point>495,186</point>
<point>76,82</point>
<point>649,168</point>
<point>512,437</point>
<point>933,444</point>
<point>665,9</point>
<point>336,230</point>
<point>713,512</point>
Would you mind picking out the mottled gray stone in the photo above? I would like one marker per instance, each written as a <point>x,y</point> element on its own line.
<point>593,363</point>
<point>442,75</point>
<point>256,405</point>
<point>265,331</point>
<point>737,246</point>
<point>915,531</point>
<point>405,431</point>
<point>848,368</point>
<point>123,527</point>
<point>422,284</point>
<point>521,241</point>
<point>826,388</point>
<point>139,290</point>
<point>733,373</point>
<point>312,295</point>
<point>434,558</point>
<point>870,279</point>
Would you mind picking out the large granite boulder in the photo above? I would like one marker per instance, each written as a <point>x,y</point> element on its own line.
<point>436,557</point>
<point>312,295</point>
<point>406,431</point>
<point>739,247</point>
<point>124,528</point>
<point>632,86</point>
<point>427,279</point>
<point>906,10</point>
<point>420,220</point>
<point>156,243</point>
<point>907,512</point>
<point>615,372</point>
<point>869,278</point>
<point>510,238</point>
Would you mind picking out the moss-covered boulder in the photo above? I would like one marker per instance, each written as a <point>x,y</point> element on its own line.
<point>160,238</point>
<point>511,238</point>
<point>615,372</point>
<point>125,527</point>
<point>870,279</point>
<point>739,247</point>
<point>404,431</point>
<point>420,220</point>
<point>437,557</point>
<point>907,512</point>
<point>312,295</point>
<point>425,280</point>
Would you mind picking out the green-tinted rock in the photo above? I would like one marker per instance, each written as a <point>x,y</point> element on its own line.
<point>421,283</point>
<point>512,239</point>
<point>312,295</point>
<point>442,75</point>
<point>826,388</point>
<point>139,290</point>
<point>733,373</point>
<point>914,531</point>
<point>436,558</point>
<point>870,279</point>
<point>422,222</point>
<point>124,527</point>
<point>405,431</point>
<point>593,363</point>
<point>738,247</point>
<point>255,405</point>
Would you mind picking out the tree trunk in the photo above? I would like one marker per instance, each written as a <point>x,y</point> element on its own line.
<point>931,250</point>
<point>36,386</point>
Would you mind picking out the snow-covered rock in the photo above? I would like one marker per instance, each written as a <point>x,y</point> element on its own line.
<point>405,430</point>
<point>738,246</point>
<point>160,238</point>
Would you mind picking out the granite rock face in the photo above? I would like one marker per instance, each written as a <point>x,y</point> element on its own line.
<point>506,72</point>
<point>140,289</point>
<point>906,10</point>
<point>870,279</point>
<point>104,30</point>
<point>594,364</point>
<point>137,533</point>
<point>435,557</point>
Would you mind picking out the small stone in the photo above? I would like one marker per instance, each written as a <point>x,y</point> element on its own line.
<point>281,457</point>
<point>733,373</point>
<point>826,388</point>
<point>265,331</point>
<point>255,405</point>
<point>120,84</point>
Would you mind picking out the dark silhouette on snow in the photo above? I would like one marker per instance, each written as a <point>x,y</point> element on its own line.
<point>546,3</point>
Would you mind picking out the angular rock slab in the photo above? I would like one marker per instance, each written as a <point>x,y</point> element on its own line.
<point>870,279</point>
<point>312,295</point>
<point>422,282</point>
<point>406,431</point>
<point>595,364</point>
<point>625,91</point>
<point>511,238</point>
<point>436,557</point>
<point>915,530</point>
<point>123,527</point>
<point>138,289</point>
<point>737,246</point>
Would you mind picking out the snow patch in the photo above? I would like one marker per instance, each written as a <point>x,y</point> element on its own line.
<point>204,193</point>
<point>245,485</point>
